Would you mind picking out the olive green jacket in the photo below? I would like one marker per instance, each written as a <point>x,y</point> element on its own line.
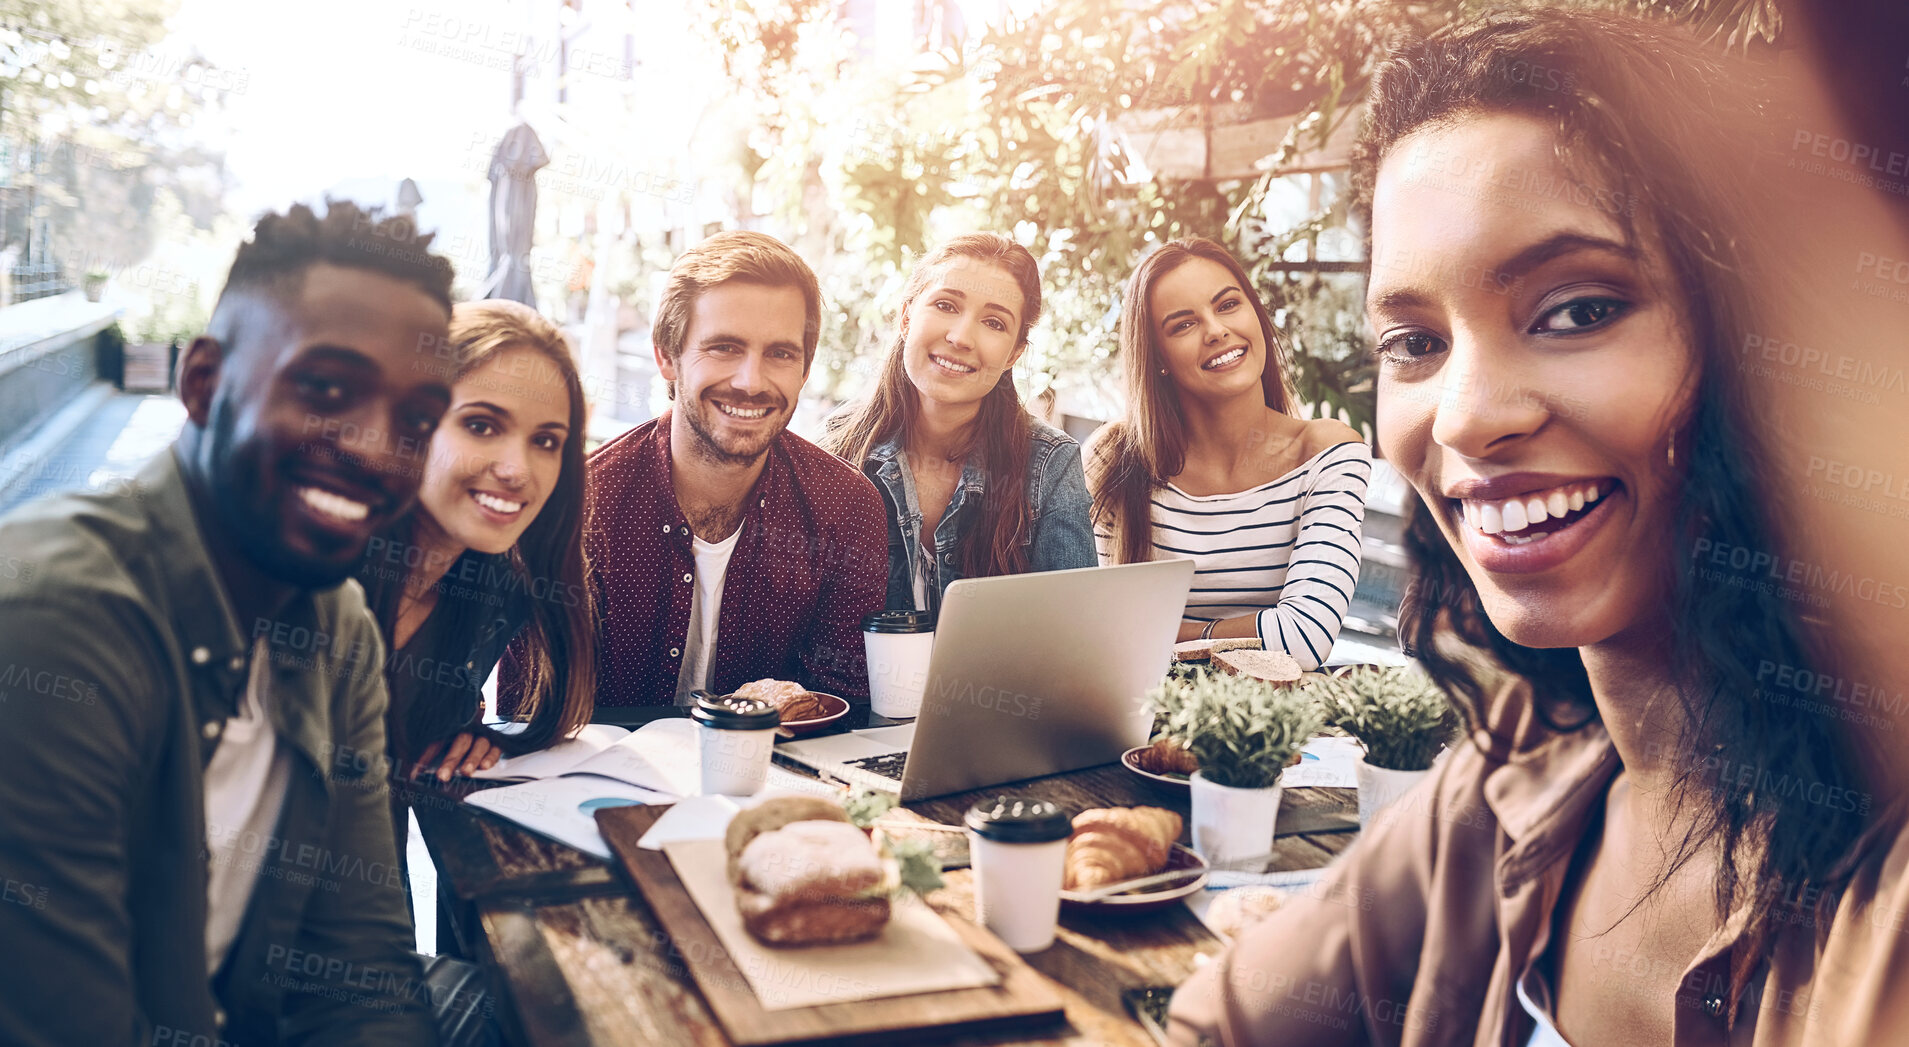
<point>120,659</point>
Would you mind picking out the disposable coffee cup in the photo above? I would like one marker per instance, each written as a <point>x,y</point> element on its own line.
<point>1018,847</point>
<point>898,643</point>
<point>738,734</point>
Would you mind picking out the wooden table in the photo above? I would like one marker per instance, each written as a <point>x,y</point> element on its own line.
<point>582,961</point>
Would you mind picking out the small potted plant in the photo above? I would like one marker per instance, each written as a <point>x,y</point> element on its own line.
<point>1399,717</point>
<point>1244,733</point>
<point>93,284</point>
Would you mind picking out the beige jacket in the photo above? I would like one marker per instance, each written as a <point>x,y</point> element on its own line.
<point>1419,934</point>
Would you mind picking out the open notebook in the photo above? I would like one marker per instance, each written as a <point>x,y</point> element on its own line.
<point>605,766</point>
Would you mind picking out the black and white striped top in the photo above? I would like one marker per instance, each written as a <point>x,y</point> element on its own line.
<point>1288,549</point>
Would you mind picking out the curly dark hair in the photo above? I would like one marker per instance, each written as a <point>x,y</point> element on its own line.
<point>1667,127</point>
<point>284,246</point>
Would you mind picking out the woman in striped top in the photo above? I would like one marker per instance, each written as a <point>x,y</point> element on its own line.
<point>1269,507</point>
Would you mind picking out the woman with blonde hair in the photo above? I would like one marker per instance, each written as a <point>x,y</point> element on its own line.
<point>1208,463</point>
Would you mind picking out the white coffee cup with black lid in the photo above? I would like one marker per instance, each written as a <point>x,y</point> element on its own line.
<point>738,736</point>
<point>1018,847</point>
<point>899,644</point>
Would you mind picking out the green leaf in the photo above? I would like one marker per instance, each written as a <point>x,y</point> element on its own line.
<point>920,869</point>
<point>1399,715</point>
<point>866,806</point>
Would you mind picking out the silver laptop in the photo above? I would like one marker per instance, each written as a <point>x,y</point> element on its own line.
<point>1031,675</point>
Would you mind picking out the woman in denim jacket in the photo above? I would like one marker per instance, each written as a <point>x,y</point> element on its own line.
<point>975,485</point>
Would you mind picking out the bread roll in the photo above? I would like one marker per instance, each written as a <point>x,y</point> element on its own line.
<point>771,690</point>
<point>792,700</point>
<point>804,875</point>
<point>805,706</point>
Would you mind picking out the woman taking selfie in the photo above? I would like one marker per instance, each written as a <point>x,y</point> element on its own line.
<point>1208,465</point>
<point>975,486</point>
<point>492,552</point>
<point>1647,839</point>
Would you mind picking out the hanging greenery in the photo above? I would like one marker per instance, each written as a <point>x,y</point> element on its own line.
<point>1027,128</point>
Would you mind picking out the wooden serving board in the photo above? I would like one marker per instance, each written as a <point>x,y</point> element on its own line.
<point>1022,997</point>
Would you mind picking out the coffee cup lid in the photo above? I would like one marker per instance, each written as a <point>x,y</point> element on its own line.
<point>1019,819</point>
<point>730,713</point>
<point>899,622</point>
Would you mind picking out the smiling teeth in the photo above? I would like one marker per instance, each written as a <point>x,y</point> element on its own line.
<point>1223,359</point>
<point>1511,515</point>
<point>336,506</point>
<point>951,365</point>
<point>496,504</point>
<point>742,412</point>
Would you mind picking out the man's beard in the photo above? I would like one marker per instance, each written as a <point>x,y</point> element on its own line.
<point>252,521</point>
<point>706,447</point>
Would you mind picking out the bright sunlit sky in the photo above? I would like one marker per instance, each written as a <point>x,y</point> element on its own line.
<point>351,96</point>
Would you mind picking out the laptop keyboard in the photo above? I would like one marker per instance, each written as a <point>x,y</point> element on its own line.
<point>888,765</point>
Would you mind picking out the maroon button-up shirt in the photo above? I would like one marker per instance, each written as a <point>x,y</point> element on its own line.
<point>811,562</point>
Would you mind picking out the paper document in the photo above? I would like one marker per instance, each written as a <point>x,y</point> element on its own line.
<point>1327,761</point>
<point>660,762</point>
<point>564,809</point>
<point>561,757</point>
<point>661,755</point>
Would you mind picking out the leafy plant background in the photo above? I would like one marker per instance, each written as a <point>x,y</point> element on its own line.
<point>1014,129</point>
<point>1399,716</point>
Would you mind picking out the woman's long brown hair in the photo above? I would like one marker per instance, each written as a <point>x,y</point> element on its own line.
<point>1132,456</point>
<point>558,643</point>
<point>1003,429</point>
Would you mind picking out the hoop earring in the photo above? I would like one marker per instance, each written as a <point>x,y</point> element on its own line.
<point>1670,452</point>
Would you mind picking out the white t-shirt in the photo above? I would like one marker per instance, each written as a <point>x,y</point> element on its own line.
<point>244,792</point>
<point>705,607</point>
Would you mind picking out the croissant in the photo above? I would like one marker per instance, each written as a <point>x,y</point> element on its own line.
<point>1111,844</point>
<point>1166,757</point>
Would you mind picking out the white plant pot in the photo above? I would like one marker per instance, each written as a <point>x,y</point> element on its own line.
<point>1233,826</point>
<point>1379,786</point>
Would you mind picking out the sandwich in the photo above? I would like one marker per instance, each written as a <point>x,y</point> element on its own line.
<point>803,874</point>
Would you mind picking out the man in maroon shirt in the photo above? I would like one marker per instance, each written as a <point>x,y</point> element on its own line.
<point>724,548</point>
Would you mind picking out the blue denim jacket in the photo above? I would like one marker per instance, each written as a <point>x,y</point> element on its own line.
<point>1061,537</point>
